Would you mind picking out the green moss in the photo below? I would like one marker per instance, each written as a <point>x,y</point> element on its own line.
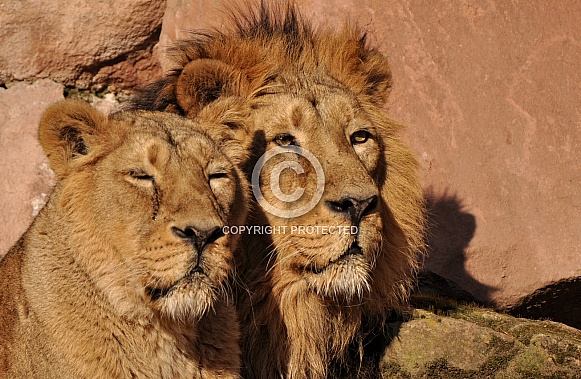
<point>567,354</point>
<point>501,353</point>
<point>525,330</point>
<point>441,369</point>
<point>522,329</point>
<point>394,370</point>
<point>89,95</point>
<point>532,361</point>
<point>445,307</point>
<point>81,94</point>
<point>521,349</point>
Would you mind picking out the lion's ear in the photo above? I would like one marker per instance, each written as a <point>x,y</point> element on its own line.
<point>65,133</point>
<point>203,81</point>
<point>364,70</point>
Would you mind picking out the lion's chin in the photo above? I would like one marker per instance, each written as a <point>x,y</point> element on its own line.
<point>349,255</point>
<point>190,297</point>
<point>344,279</point>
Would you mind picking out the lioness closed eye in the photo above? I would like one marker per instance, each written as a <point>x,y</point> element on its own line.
<point>126,272</point>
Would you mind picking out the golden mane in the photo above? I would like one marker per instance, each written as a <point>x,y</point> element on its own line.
<point>263,42</point>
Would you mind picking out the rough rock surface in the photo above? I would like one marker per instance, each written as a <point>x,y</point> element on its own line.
<point>83,43</point>
<point>557,301</point>
<point>446,340</point>
<point>26,177</point>
<point>492,91</point>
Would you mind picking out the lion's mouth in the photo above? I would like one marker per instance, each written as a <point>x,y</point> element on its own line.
<point>353,250</point>
<point>158,293</point>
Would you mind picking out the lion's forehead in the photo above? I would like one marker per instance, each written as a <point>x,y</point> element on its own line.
<point>181,147</point>
<point>303,109</point>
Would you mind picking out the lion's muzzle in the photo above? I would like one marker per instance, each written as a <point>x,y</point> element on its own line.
<point>354,207</point>
<point>199,237</point>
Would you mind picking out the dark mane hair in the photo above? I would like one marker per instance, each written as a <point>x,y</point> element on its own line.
<point>265,39</point>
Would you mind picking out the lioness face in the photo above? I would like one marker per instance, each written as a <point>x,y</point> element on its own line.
<point>161,196</point>
<point>336,255</point>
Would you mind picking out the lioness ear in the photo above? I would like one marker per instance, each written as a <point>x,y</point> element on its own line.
<point>203,81</point>
<point>65,131</point>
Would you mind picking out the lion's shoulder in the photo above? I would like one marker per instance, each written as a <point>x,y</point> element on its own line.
<point>11,291</point>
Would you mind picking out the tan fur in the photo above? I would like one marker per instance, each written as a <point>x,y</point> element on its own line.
<point>103,285</point>
<point>308,307</point>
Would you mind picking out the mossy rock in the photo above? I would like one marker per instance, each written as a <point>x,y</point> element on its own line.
<point>444,339</point>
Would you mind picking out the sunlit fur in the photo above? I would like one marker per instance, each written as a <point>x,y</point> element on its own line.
<point>101,286</point>
<point>307,308</point>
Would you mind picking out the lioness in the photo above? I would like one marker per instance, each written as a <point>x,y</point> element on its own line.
<point>312,302</point>
<point>126,271</point>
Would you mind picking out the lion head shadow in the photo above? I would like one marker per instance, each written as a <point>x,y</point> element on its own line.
<point>450,228</point>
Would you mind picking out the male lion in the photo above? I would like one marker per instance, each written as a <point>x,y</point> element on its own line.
<point>125,272</point>
<point>312,300</point>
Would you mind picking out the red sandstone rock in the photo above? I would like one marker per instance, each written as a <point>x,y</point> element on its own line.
<point>71,42</point>
<point>26,177</point>
<point>492,92</point>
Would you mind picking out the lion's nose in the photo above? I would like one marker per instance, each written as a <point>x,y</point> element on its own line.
<point>353,207</point>
<point>198,236</point>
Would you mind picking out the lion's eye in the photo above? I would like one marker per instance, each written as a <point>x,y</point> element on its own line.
<point>140,177</point>
<point>284,139</point>
<point>219,182</point>
<point>218,175</point>
<point>359,137</point>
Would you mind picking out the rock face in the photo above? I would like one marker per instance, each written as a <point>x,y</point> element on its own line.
<point>557,301</point>
<point>492,92</point>
<point>447,340</point>
<point>80,43</point>
<point>26,177</point>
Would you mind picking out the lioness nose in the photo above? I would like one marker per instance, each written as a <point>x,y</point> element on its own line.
<point>355,208</point>
<point>199,237</point>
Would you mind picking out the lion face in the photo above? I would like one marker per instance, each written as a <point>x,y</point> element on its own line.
<point>184,189</point>
<point>151,193</point>
<point>334,246</point>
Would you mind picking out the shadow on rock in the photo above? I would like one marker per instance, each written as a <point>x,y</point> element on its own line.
<point>558,302</point>
<point>450,230</point>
